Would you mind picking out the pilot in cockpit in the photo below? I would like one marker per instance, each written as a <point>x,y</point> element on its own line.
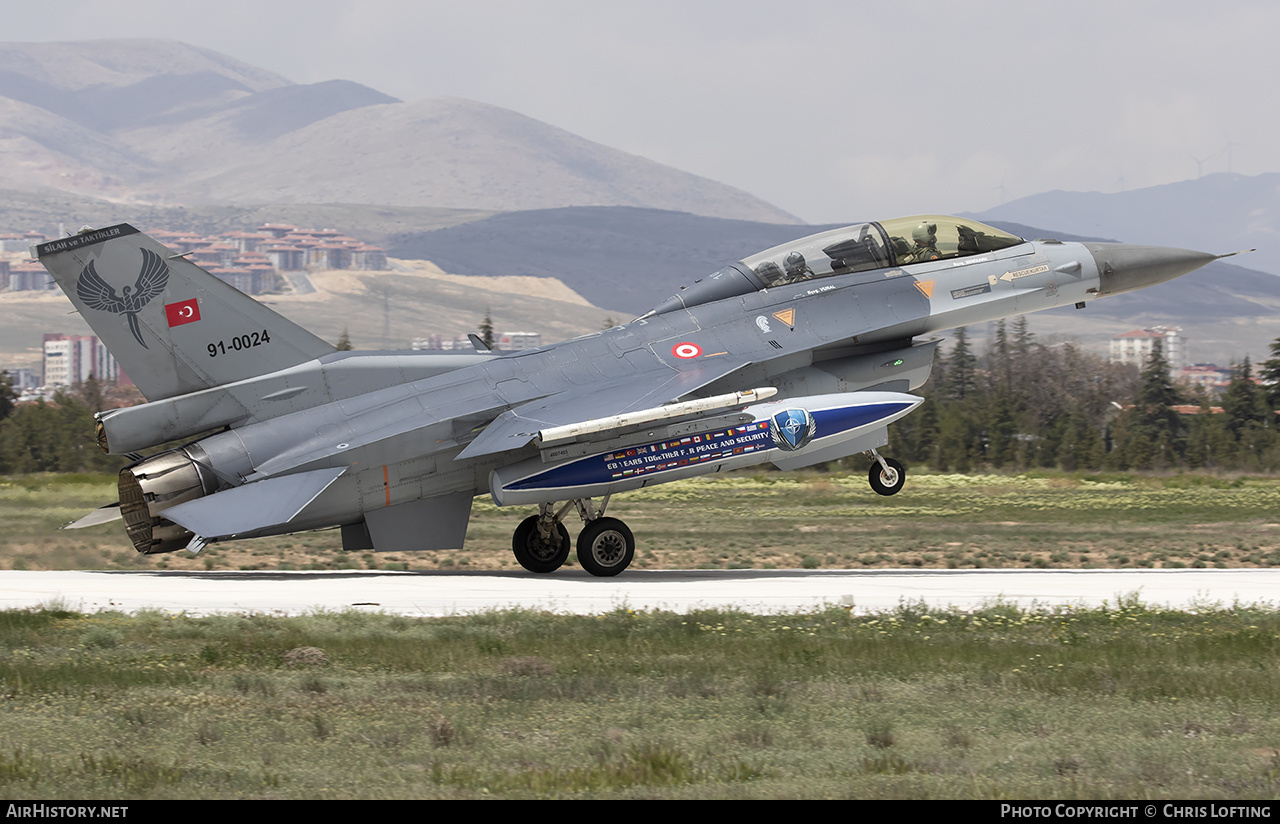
<point>797,268</point>
<point>769,273</point>
<point>924,244</point>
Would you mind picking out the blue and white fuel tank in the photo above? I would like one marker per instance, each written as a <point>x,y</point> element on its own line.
<point>792,433</point>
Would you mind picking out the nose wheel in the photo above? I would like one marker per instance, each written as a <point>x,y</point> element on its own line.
<point>887,476</point>
<point>605,546</point>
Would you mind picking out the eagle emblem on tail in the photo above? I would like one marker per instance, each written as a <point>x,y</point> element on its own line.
<point>96,293</point>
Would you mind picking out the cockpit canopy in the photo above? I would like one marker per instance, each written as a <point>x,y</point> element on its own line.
<point>859,248</point>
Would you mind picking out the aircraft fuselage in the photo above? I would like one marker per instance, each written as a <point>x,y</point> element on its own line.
<point>826,334</point>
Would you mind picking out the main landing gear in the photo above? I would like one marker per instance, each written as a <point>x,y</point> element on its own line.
<point>605,545</point>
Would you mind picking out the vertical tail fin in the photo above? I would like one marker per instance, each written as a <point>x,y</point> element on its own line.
<point>173,327</point>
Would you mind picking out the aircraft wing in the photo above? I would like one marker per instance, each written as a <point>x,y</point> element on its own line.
<point>517,427</point>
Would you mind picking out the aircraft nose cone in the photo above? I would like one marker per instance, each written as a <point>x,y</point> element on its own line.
<point>1123,267</point>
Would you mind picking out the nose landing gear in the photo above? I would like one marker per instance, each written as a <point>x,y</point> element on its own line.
<point>887,475</point>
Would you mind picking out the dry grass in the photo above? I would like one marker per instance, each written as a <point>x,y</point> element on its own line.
<point>761,521</point>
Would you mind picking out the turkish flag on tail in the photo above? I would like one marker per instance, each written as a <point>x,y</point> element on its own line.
<point>188,311</point>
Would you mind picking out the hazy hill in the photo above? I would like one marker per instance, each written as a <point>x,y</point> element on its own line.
<point>87,68</point>
<point>46,211</point>
<point>1217,213</point>
<point>622,257</point>
<point>160,122</point>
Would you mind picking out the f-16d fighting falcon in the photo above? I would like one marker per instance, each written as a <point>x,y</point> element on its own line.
<point>798,355</point>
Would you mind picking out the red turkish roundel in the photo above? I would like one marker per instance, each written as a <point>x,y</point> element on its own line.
<point>686,350</point>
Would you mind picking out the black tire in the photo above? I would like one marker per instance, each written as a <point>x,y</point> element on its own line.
<point>535,554</point>
<point>606,547</point>
<point>885,483</point>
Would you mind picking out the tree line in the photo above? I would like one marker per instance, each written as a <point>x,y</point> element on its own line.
<point>54,436</point>
<point>1023,404</point>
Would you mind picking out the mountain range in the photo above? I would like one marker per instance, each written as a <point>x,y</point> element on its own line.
<point>159,122</point>
<point>1216,213</point>
<point>170,136</point>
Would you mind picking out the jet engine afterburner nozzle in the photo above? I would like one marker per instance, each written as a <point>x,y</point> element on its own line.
<point>1124,267</point>
<point>149,487</point>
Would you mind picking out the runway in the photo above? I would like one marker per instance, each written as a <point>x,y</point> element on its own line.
<point>576,592</point>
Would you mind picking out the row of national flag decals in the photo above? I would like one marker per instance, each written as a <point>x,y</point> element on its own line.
<point>692,439</point>
<point>739,440</point>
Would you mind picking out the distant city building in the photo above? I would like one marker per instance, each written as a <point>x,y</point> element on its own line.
<point>291,249</point>
<point>517,341</point>
<point>504,342</point>
<point>247,261</point>
<point>22,379</point>
<point>277,230</point>
<point>286,257</point>
<point>441,343</point>
<point>429,342</point>
<point>27,277</point>
<point>1207,376</point>
<point>1136,346</point>
<point>71,359</point>
<point>20,243</point>
<point>369,257</point>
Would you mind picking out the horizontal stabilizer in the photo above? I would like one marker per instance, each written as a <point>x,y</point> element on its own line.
<point>253,506</point>
<point>101,515</point>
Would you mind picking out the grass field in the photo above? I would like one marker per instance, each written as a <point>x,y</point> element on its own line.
<point>1118,703</point>
<point>1122,702</point>
<point>761,520</point>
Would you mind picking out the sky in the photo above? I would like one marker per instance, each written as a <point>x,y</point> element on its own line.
<point>833,111</point>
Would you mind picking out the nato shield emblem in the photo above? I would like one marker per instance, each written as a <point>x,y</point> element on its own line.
<point>792,429</point>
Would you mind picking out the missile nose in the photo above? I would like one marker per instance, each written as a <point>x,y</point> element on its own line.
<point>1123,267</point>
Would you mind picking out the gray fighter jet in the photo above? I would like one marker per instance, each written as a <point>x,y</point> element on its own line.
<point>801,354</point>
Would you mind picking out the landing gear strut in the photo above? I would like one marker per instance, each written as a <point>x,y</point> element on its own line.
<point>605,545</point>
<point>887,475</point>
<point>541,542</point>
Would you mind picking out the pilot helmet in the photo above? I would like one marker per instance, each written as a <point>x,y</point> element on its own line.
<point>768,272</point>
<point>795,265</point>
<point>926,234</point>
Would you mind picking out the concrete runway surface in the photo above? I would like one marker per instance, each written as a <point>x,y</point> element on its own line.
<point>574,591</point>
